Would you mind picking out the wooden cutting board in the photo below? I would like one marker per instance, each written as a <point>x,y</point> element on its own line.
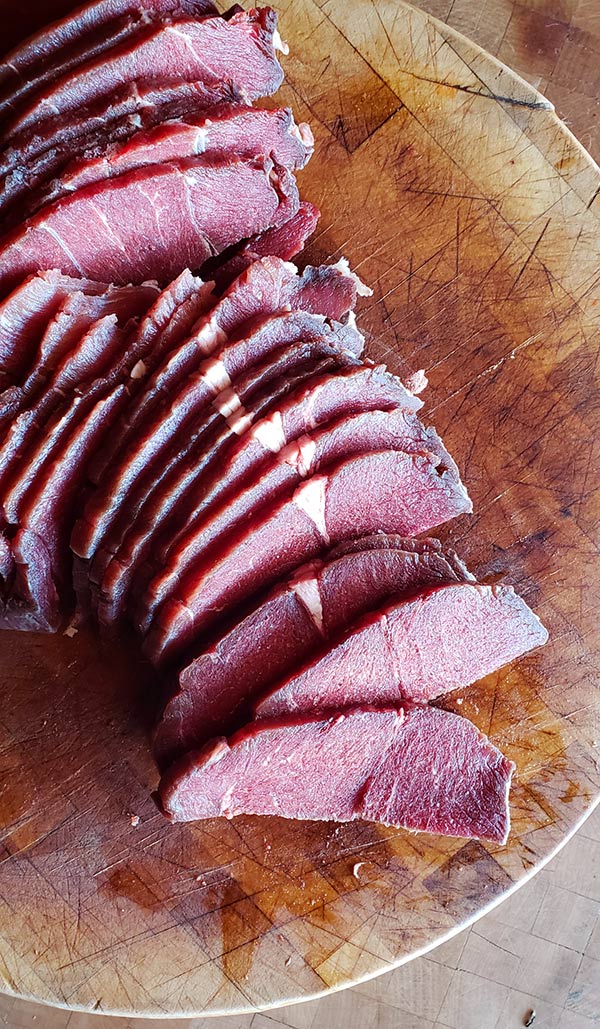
<point>460,198</point>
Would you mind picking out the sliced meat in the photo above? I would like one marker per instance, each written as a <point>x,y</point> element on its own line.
<point>40,547</point>
<point>268,286</point>
<point>31,603</point>
<point>321,598</point>
<point>26,312</point>
<point>284,242</point>
<point>151,428</point>
<point>191,492</point>
<point>212,50</point>
<point>389,492</point>
<point>419,649</point>
<point>241,130</point>
<point>350,435</point>
<point>414,767</point>
<point>138,544</point>
<point>38,154</point>
<point>35,434</point>
<point>83,34</point>
<point>189,209</point>
<point>74,318</point>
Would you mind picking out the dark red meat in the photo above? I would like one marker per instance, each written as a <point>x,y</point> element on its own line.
<point>40,547</point>
<point>284,242</point>
<point>139,542</point>
<point>211,50</point>
<point>151,222</point>
<point>26,312</point>
<point>244,131</point>
<point>350,435</point>
<point>419,648</point>
<point>74,318</point>
<point>37,155</point>
<point>84,33</point>
<point>150,429</point>
<point>35,433</point>
<point>390,492</point>
<point>191,495</point>
<point>320,599</point>
<point>268,286</point>
<point>413,767</point>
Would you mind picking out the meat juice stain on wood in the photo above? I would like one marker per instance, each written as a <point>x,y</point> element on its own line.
<point>449,233</point>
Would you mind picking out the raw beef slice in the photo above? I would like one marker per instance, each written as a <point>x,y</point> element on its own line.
<point>413,767</point>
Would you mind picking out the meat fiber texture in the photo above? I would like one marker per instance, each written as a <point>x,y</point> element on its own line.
<point>26,312</point>
<point>83,34</point>
<point>188,210</point>
<point>194,411</point>
<point>267,286</point>
<point>419,649</point>
<point>162,409</point>
<point>285,242</point>
<point>242,131</point>
<point>36,431</point>
<point>40,546</point>
<point>387,491</point>
<point>319,600</point>
<point>36,155</point>
<point>185,496</point>
<point>211,50</point>
<point>351,434</point>
<point>53,364</point>
<point>162,423</point>
<point>136,547</point>
<point>167,323</point>
<point>410,766</point>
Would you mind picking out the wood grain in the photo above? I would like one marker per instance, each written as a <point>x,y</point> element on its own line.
<point>460,198</point>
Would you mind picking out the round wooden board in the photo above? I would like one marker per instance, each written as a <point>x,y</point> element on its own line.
<point>460,198</point>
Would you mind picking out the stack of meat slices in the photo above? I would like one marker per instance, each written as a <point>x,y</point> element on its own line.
<point>192,444</point>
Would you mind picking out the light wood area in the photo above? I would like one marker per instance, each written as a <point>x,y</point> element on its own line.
<point>538,951</point>
<point>457,194</point>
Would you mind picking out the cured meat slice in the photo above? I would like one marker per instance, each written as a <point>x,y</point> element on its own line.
<point>152,428</point>
<point>83,34</point>
<point>350,435</point>
<point>38,154</point>
<point>189,209</point>
<point>284,242</point>
<point>25,313</point>
<point>239,49</point>
<point>138,544</point>
<point>244,131</point>
<point>321,598</point>
<point>382,491</point>
<point>74,318</point>
<point>410,766</point>
<point>238,130</point>
<point>191,495</point>
<point>420,648</point>
<point>35,433</point>
<point>40,547</point>
<point>268,286</point>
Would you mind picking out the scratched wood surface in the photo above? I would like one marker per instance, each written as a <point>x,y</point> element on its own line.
<point>460,198</point>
